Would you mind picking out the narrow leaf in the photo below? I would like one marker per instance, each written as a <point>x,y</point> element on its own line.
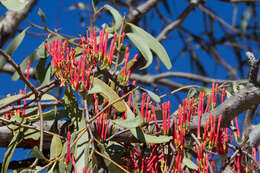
<point>140,43</point>
<point>189,163</point>
<point>154,96</point>
<point>81,152</point>
<point>131,121</point>
<point>116,15</point>
<point>56,147</point>
<point>14,5</point>
<point>153,44</point>
<point>108,93</point>
<point>10,150</point>
<point>140,135</point>
<point>14,44</point>
<point>36,153</point>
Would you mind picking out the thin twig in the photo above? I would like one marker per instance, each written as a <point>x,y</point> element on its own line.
<point>112,161</point>
<point>18,69</point>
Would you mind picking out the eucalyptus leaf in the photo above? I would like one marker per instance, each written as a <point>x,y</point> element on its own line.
<point>56,147</point>
<point>140,135</point>
<point>32,134</point>
<point>80,151</point>
<point>14,5</point>
<point>131,121</point>
<point>154,96</point>
<point>38,154</point>
<point>116,15</point>
<point>13,45</point>
<point>108,93</point>
<point>141,44</point>
<point>189,163</point>
<point>10,150</point>
<point>153,44</point>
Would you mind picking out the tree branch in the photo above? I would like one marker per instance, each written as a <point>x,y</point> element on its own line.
<point>11,20</point>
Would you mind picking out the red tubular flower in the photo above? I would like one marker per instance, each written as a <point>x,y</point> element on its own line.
<point>73,163</point>
<point>143,104</point>
<point>219,122</point>
<point>237,127</point>
<point>190,108</point>
<point>105,45</point>
<point>146,107</point>
<point>126,60</point>
<point>223,94</point>
<point>105,133</point>
<point>28,69</point>
<point>68,148</point>
<point>101,39</point>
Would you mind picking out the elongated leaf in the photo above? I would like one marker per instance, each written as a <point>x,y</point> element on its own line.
<point>116,15</point>
<point>80,152</point>
<point>37,54</point>
<point>15,97</point>
<point>32,134</point>
<point>108,93</point>
<point>14,5</point>
<point>153,44</point>
<point>36,153</point>
<point>140,135</point>
<point>154,96</point>
<point>56,147</point>
<point>71,103</point>
<point>189,163</point>
<point>10,150</point>
<point>141,44</point>
<point>54,114</point>
<point>131,121</point>
<point>14,44</point>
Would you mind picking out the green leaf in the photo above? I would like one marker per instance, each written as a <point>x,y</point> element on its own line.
<point>43,74</point>
<point>116,15</point>
<point>37,54</point>
<point>153,44</point>
<point>71,103</point>
<point>140,43</point>
<point>189,163</point>
<point>56,147</point>
<point>36,153</point>
<point>54,114</point>
<point>15,97</point>
<point>10,150</point>
<point>80,151</point>
<point>14,44</point>
<point>154,96</point>
<point>140,135</point>
<point>108,93</point>
<point>32,134</point>
<point>14,5</point>
<point>131,121</point>
<point>42,15</point>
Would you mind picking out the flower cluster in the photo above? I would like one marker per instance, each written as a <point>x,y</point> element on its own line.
<point>76,65</point>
